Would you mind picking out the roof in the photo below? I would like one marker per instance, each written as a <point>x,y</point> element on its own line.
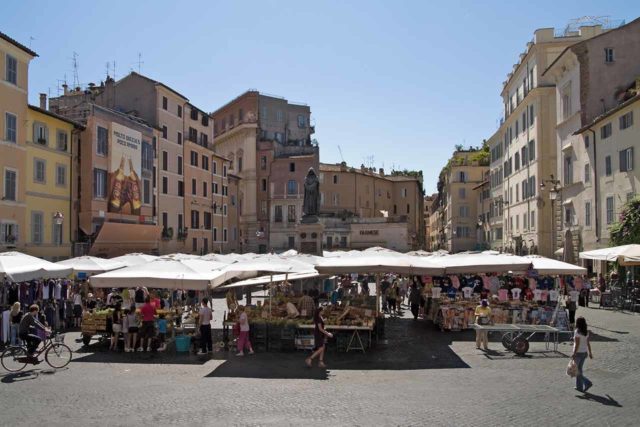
<point>16,44</point>
<point>133,73</point>
<point>608,113</point>
<point>56,116</point>
<point>329,167</point>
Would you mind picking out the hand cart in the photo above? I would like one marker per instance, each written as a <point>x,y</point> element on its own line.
<point>516,337</point>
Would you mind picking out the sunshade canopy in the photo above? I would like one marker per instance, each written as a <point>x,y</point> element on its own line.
<point>134,259</point>
<point>624,255</point>
<point>90,264</point>
<point>547,266</point>
<point>19,267</point>
<point>485,262</point>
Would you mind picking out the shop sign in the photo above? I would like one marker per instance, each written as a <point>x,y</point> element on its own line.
<point>369,232</point>
<point>125,150</point>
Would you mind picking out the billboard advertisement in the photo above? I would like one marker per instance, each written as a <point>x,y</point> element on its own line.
<point>125,170</point>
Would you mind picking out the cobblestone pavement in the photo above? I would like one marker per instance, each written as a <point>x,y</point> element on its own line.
<point>418,376</point>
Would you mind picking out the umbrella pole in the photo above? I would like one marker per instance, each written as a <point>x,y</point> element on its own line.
<point>270,293</point>
<point>377,294</point>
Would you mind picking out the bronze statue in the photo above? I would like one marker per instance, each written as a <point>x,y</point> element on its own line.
<point>311,204</point>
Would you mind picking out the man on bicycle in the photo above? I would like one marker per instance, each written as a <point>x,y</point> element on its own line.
<point>28,329</point>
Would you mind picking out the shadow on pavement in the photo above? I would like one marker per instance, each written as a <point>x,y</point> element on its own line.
<point>20,376</point>
<point>165,357</point>
<point>607,401</point>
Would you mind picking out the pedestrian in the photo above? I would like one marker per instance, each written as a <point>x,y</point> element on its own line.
<point>77,308</point>
<point>133,327</point>
<point>243,338</point>
<point>162,331</point>
<point>414,301</point>
<point>16,317</point>
<point>602,287</point>
<point>306,305</point>
<point>581,348</point>
<point>571,308</point>
<point>125,329</point>
<point>483,317</point>
<point>205,316</point>
<point>116,326</point>
<point>392,297</point>
<point>147,330</point>
<point>320,339</point>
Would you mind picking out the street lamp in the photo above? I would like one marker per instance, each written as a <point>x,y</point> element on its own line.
<point>553,195</point>
<point>58,218</point>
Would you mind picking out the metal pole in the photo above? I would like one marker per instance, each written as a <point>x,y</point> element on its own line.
<point>377,294</point>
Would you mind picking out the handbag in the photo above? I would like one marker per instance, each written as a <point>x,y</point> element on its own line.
<point>572,369</point>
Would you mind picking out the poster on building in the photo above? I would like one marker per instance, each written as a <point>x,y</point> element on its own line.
<point>125,150</point>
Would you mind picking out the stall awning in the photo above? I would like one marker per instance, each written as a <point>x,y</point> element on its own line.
<point>263,280</point>
<point>115,239</point>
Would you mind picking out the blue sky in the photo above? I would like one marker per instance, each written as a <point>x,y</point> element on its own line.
<point>395,83</point>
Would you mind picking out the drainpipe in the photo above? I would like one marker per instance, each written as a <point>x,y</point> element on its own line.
<point>595,187</point>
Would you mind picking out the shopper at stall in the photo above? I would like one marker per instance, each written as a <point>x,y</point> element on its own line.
<point>147,330</point>
<point>581,349</point>
<point>306,305</point>
<point>16,317</point>
<point>139,297</point>
<point>243,338</point>
<point>483,317</point>
<point>77,308</point>
<point>392,297</point>
<point>414,300</point>
<point>116,326</point>
<point>161,323</point>
<point>320,338</point>
<point>125,329</point>
<point>133,323</point>
<point>204,320</point>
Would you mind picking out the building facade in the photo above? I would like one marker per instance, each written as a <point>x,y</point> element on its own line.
<point>14,87</point>
<point>523,148</point>
<point>49,179</point>
<point>594,79</point>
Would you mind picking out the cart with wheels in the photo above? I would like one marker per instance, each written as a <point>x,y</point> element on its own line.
<point>516,337</point>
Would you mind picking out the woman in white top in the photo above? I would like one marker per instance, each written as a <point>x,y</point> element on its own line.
<point>581,348</point>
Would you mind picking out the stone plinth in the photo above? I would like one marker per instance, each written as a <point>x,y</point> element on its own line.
<point>309,238</point>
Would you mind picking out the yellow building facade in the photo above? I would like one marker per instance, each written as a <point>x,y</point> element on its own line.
<point>48,173</point>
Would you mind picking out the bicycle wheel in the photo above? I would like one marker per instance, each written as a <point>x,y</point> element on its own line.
<point>58,356</point>
<point>14,359</point>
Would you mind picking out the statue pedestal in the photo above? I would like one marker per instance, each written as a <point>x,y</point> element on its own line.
<point>310,236</point>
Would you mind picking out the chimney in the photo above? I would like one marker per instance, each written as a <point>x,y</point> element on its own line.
<point>66,88</point>
<point>43,101</point>
<point>381,171</point>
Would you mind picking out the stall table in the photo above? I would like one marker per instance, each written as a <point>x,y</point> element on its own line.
<point>355,342</point>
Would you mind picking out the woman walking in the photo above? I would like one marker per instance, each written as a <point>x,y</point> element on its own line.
<point>116,326</point>
<point>320,338</point>
<point>243,338</point>
<point>581,349</point>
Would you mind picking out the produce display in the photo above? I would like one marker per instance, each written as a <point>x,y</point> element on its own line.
<point>94,322</point>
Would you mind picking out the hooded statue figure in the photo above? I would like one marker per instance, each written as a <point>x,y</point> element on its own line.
<point>311,204</point>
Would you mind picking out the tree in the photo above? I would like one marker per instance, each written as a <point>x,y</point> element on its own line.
<point>627,230</point>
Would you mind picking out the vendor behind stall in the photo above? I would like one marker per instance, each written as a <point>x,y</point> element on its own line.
<point>483,317</point>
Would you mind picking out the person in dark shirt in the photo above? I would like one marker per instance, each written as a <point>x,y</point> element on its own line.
<point>28,329</point>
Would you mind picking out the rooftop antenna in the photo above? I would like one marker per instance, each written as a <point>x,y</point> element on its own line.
<point>340,150</point>
<point>140,62</point>
<point>76,79</point>
<point>31,39</point>
<point>106,65</point>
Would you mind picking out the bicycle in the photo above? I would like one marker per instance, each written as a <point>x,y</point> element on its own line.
<point>56,354</point>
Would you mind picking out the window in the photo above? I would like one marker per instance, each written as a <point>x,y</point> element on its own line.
<point>194,158</point>
<point>205,162</point>
<point>605,131</point>
<point>301,121</point>
<point>586,142</point>
<point>239,163</point>
<point>103,141</point>
<point>587,214</point>
<point>531,116</point>
<point>532,222</point>
<point>463,232</point>
<point>517,222</point>
<point>587,173</point>
<point>179,110</point>
<point>10,122</point>
<point>291,213</point>
<point>225,190</point>
<point>263,162</point>
<point>517,193</point>
<point>204,139</point>
<point>240,115</point>
<point>195,219</point>
<point>206,218</point>
<point>165,103</point>
<point>180,222</point>
<point>404,193</point>
<point>204,189</point>
<point>214,188</point>
<point>568,171</point>
<point>626,160</point>
<point>231,120</point>
<point>463,211</point>
<point>336,201</point>
<point>194,244</point>
<point>292,187</point>
<point>165,161</point>
<point>279,115</point>
<point>181,188</point>
<point>61,140</point>
<point>524,120</point>
<point>99,183</point>
<point>147,156</point>
<point>626,120</point>
<point>462,176</point>
<point>205,120</point>
<point>608,55</point>
<point>566,101</point>
<point>263,184</point>
<point>194,185</point>
<point>607,166</point>
<point>263,113</point>
<point>10,184</point>
<point>165,132</point>
<point>532,150</point>
<point>224,210</point>
<point>610,207</point>
<point>194,114</point>
<point>517,128</point>
<point>517,161</point>
<point>215,234</point>
<point>40,133</point>
<point>39,171</point>
<point>8,232</point>
<point>263,207</point>
<point>165,185</point>
<point>146,191</point>
<point>292,167</point>
<point>279,136</point>
<point>525,221</point>
<point>165,221</point>
<point>193,135</point>
<point>335,179</point>
<point>224,170</point>
<point>277,217</point>
<point>525,158</point>
<point>11,71</point>
<point>180,171</point>
<point>532,186</point>
<point>408,208</point>
<point>179,138</point>
<point>462,193</point>
<point>37,226</point>
<point>233,200</point>
<point>61,175</point>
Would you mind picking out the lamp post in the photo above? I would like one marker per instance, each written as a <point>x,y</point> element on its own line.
<point>553,195</point>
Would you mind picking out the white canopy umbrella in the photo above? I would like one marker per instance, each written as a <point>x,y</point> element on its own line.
<point>264,280</point>
<point>19,267</point>
<point>554,267</point>
<point>481,263</point>
<point>625,254</point>
<point>163,272</point>
<point>90,264</point>
<point>132,259</point>
<point>378,263</point>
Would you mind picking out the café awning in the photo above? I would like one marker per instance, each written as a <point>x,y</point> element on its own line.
<point>115,239</point>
